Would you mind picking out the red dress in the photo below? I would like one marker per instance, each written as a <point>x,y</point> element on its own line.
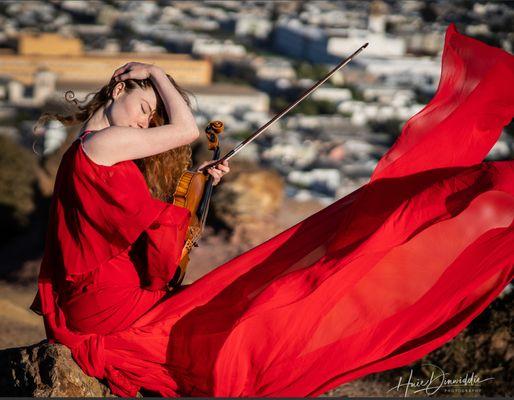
<point>374,281</point>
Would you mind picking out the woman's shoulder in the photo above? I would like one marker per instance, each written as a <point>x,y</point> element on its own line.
<point>79,174</point>
<point>82,139</point>
<point>85,158</point>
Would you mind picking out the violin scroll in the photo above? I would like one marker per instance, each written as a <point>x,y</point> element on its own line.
<point>212,131</point>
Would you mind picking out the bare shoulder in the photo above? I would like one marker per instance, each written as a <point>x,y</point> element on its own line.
<point>118,143</point>
<point>92,146</point>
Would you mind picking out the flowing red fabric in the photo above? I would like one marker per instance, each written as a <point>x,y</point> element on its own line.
<point>374,281</point>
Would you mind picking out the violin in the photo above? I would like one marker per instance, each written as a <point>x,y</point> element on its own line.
<point>194,189</point>
<point>194,192</point>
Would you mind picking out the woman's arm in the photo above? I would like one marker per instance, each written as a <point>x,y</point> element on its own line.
<point>118,143</point>
<point>176,107</point>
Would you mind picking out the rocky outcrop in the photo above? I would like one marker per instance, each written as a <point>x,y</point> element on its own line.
<point>247,204</point>
<point>45,370</point>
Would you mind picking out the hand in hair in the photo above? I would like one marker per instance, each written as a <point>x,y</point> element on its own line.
<point>133,70</point>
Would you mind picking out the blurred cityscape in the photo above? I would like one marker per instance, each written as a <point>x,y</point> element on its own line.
<point>246,60</point>
<point>242,62</point>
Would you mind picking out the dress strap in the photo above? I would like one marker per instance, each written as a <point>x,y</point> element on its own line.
<point>83,134</point>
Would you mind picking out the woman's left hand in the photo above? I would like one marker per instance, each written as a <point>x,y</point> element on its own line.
<point>218,171</point>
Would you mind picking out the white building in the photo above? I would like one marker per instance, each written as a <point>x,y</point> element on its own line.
<point>43,87</point>
<point>226,98</point>
<point>253,25</point>
<point>292,154</point>
<point>343,42</point>
<point>387,94</point>
<point>327,178</point>
<point>214,47</point>
<point>333,94</point>
<point>377,18</point>
<point>55,134</point>
<point>273,68</point>
<point>145,46</point>
<point>421,72</point>
<point>295,39</point>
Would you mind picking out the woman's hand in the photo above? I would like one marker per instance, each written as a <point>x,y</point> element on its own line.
<point>218,171</point>
<point>133,70</point>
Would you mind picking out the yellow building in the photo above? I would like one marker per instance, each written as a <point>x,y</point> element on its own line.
<point>65,57</point>
<point>48,44</point>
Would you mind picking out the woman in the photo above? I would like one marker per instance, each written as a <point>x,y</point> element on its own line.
<point>126,135</point>
<point>374,281</point>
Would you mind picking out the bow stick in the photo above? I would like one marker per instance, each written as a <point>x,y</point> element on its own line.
<point>252,137</point>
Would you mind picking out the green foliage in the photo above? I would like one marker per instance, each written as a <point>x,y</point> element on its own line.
<point>356,93</point>
<point>238,76</point>
<point>487,39</point>
<point>310,71</point>
<point>510,128</point>
<point>241,135</point>
<point>222,78</point>
<point>17,178</point>
<point>391,126</point>
<point>428,13</point>
<point>422,97</point>
<point>278,103</point>
<point>326,107</point>
<point>307,107</point>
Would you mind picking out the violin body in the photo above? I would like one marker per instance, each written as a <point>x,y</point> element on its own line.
<point>193,191</point>
<point>189,190</point>
<point>188,194</point>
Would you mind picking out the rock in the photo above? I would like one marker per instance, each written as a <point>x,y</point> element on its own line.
<point>46,370</point>
<point>500,341</point>
<point>248,197</point>
<point>247,204</point>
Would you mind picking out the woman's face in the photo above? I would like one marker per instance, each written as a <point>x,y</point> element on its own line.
<point>132,108</point>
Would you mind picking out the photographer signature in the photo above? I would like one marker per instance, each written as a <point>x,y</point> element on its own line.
<point>437,380</point>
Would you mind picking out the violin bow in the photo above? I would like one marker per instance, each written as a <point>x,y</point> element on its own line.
<point>252,137</point>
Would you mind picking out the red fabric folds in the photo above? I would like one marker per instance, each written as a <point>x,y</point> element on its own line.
<point>464,119</point>
<point>374,281</point>
<point>162,259</point>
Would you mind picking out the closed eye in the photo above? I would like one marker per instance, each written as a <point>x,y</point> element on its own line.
<point>142,108</point>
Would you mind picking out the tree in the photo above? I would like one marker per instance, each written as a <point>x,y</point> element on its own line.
<point>17,178</point>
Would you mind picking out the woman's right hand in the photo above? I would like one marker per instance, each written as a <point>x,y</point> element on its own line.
<point>134,70</point>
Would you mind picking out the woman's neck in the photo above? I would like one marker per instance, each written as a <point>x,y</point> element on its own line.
<point>97,121</point>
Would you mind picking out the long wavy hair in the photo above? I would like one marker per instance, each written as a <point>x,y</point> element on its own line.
<point>161,171</point>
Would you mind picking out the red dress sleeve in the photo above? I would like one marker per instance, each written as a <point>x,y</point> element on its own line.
<point>96,213</point>
<point>163,244</point>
